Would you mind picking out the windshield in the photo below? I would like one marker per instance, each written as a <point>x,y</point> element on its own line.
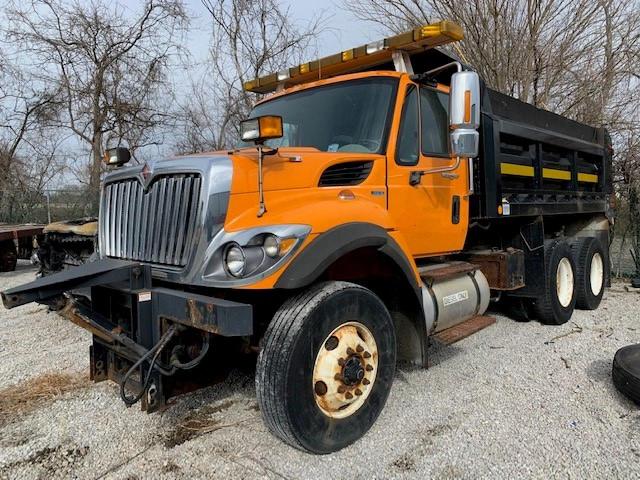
<point>351,116</point>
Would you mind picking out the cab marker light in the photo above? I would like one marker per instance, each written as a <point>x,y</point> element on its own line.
<point>346,195</point>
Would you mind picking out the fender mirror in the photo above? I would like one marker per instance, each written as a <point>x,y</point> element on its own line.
<point>464,114</point>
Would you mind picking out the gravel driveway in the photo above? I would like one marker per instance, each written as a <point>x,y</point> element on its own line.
<point>514,400</point>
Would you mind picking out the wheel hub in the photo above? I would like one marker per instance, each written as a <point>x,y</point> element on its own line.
<point>353,371</point>
<point>345,370</point>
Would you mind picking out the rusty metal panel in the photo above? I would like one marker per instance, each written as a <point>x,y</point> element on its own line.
<point>464,329</point>
<point>13,232</point>
<point>504,269</point>
<point>214,315</point>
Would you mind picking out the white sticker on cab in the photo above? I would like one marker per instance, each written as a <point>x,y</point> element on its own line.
<point>144,296</point>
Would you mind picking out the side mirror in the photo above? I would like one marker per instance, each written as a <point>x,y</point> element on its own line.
<point>464,114</point>
<point>260,129</point>
<point>115,157</point>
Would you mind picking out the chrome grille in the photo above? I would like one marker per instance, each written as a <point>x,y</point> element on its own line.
<point>155,225</point>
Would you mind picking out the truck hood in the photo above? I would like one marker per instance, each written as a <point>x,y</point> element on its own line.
<point>290,168</point>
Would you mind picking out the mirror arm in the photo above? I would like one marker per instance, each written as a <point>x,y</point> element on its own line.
<point>416,176</point>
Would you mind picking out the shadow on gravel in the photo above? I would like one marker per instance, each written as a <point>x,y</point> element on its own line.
<point>439,353</point>
<point>600,371</point>
<point>47,463</point>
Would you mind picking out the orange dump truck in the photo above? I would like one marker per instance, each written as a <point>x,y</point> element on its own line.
<point>380,196</point>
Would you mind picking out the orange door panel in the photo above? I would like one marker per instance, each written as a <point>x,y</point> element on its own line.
<point>431,214</point>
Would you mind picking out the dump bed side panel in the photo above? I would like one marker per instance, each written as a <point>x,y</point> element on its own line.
<point>534,162</point>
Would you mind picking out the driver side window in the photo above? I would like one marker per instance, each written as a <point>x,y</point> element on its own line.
<point>408,149</point>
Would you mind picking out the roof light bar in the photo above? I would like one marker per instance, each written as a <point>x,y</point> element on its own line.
<point>357,59</point>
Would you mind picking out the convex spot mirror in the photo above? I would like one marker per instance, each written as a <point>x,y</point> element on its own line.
<point>464,114</point>
<point>259,129</point>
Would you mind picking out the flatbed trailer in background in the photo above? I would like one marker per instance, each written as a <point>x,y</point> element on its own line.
<point>16,241</point>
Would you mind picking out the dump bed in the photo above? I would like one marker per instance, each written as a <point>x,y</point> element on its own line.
<point>534,162</point>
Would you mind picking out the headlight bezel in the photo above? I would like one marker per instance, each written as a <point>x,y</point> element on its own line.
<point>258,264</point>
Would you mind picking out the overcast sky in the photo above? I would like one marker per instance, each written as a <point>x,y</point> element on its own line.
<point>343,31</point>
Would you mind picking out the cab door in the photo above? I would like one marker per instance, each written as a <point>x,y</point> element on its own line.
<point>430,209</point>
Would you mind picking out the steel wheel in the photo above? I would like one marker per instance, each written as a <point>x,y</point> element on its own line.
<point>564,282</point>
<point>596,274</point>
<point>345,370</point>
<point>591,263</point>
<point>326,366</point>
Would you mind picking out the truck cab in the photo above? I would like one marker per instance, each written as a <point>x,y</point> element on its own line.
<point>380,196</point>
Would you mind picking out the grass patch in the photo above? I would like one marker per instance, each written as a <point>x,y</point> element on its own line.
<point>29,396</point>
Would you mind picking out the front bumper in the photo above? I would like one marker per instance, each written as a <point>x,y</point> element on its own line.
<point>153,303</point>
<point>128,316</point>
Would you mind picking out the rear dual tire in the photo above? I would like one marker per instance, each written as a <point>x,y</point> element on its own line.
<point>326,366</point>
<point>576,273</point>
<point>591,272</point>
<point>557,302</point>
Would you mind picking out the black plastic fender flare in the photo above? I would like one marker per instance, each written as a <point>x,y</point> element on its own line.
<point>331,245</point>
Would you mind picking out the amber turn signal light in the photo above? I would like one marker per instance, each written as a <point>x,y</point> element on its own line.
<point>260,129</point>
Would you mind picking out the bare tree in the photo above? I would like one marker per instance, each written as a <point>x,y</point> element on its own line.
<point>556,54</point>
<point>249,39</point>
<point>109,68</point>
<point>578,58</point>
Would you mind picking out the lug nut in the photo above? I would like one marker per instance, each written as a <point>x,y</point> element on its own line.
<point>337,376</point>
<point>358,392</point>
<point>342,389</point>
<point>341,361</point>
<point>369,368</point>
<point>365,381</point>
<point>360,349</point>
<point>348,396</point>
<point>350,351</point>
<point>366,355</point>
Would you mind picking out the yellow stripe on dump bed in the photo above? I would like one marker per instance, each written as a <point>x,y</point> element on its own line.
<point>587,177</point>
<point>554,174</point>
<point>514,169</point>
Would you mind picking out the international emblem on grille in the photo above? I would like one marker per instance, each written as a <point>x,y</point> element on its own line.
<point>146,171</point>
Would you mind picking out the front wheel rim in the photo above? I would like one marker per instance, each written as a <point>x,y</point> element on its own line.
<point>564,282</point>
<point>596,274</point>
<point>345,370</point>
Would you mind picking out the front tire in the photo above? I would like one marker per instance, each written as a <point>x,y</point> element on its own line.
<point>555,305</point>
<point>326,366</point>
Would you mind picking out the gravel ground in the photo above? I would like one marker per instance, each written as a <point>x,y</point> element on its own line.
<point>514,400</point>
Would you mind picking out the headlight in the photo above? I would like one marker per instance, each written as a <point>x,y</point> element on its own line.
<point>245,256</point>
<point>234,260</point>
<point>271,246</point>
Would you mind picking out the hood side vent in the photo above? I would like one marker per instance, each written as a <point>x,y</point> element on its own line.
<point>345,174</point>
